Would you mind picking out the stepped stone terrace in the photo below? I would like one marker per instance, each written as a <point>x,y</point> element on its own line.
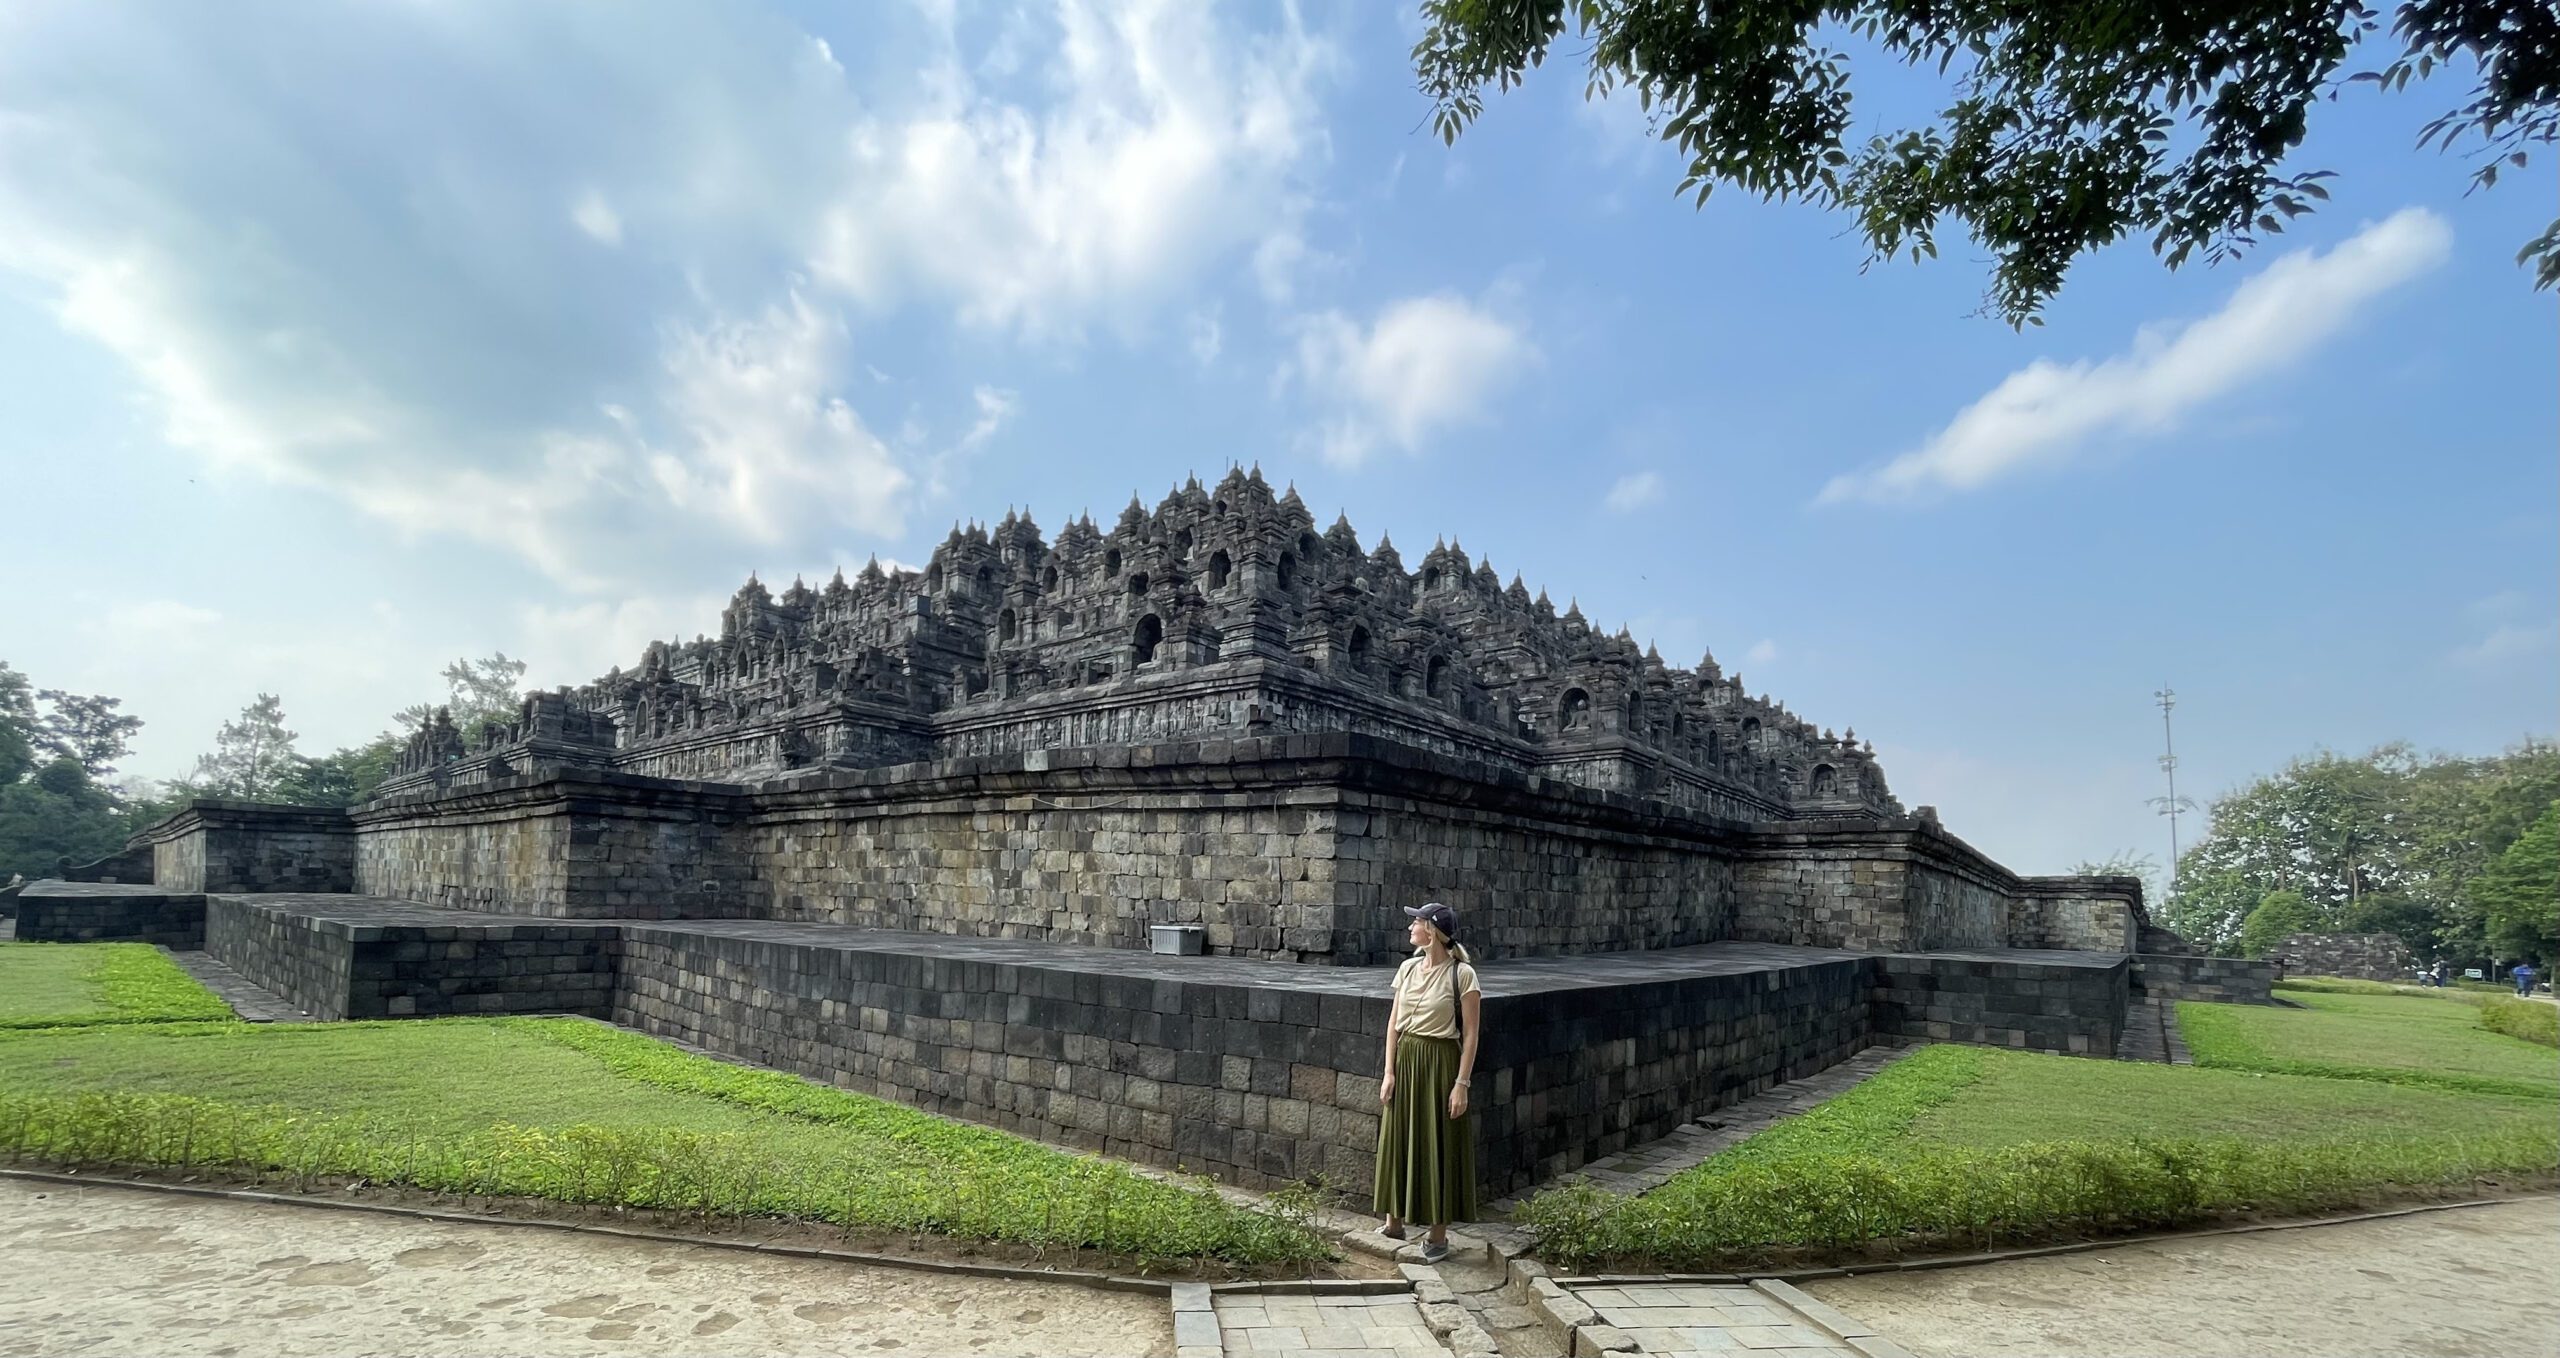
<point>912,832</point>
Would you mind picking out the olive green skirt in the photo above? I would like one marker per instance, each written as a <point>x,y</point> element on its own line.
<point>1426,1159</point>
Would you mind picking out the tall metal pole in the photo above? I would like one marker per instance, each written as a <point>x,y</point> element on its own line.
<point>2172,805</point>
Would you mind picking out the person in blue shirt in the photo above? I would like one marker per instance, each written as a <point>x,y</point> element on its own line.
<point>2524,978</point>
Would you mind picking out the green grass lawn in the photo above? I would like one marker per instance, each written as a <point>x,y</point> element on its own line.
<point>45,985</point>
<point>579,1112</point>
<point>2399,1039</point>
<point>1968,1147</point>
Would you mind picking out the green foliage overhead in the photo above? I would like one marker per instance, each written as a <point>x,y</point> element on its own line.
<point>2070,127</point>
<point>2385,842</point>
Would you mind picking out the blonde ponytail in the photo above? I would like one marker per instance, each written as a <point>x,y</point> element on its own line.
<point>1459,951</point>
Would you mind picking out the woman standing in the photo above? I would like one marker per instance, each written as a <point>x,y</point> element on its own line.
<point>1426,1141</point>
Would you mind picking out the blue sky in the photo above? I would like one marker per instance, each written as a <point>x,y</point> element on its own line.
<point>339,342</point>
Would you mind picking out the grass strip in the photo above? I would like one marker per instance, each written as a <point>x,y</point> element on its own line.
<point>1978,1197</point>
<point>2350,985</point>
<point>2527,1019</point>
<point>575,1112</point>
<point>56,985</point>
<point>2402,1040</point>
<point>1958,1147</point>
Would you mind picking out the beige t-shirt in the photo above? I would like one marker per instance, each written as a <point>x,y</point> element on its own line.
<point>1426,998</point>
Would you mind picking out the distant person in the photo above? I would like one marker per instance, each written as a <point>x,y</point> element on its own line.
<point>2524,979</point>
<point>1427,1139</point>
<point>2444,972</point>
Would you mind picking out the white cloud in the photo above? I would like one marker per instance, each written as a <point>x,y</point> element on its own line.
<point>1171,140</point>
<point>597,218</point>
<point>1207,337</point>
<point>391,308</point>
<point>2507,642</point>
<point>767,444</point>
<point>574,643</point>
<point>1635,491</point>
<point>1426,364</point>
<point>2047,412</point>
<point>1762,652</point>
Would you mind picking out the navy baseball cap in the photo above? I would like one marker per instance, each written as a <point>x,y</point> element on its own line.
<point>1442,918</point>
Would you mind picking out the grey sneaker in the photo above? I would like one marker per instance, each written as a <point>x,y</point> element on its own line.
<point>1392,1232</point>
<point>1433,1251</point>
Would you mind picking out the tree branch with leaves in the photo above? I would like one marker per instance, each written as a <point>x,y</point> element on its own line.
<point>2071,127</point>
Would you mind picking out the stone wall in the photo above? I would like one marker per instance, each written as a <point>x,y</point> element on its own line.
<point>349,958</point>
<point>131,864</point>
<point>1905,886</point>
<point>512,857</point>
<point>2368,957</point>
<point>2056,1002</point>
<point>1292,848</point>
<point>2213,980</point>
<point>229,846</point>
<point>2093,914</point>
<point>1569,1072</point>
<point>1252,1073</point>
<point>90,912</point>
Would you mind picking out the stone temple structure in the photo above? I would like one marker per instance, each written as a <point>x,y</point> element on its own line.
<point>914,832</point>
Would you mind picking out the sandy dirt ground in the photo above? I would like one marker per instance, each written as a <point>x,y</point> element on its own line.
<point>121,1271</point>
<point>2475,1280</point>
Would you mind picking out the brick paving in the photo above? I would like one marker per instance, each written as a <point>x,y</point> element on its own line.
<point>1683,1318</point>
<point>1324,1327</point>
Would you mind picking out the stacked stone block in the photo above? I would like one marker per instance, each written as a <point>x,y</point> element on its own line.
<point>2367,957</point>
<point>228,846</point>
<point>92,912</point>
<point>340,957</point>
<point>2212,980</point>
<point>2053,1002</point>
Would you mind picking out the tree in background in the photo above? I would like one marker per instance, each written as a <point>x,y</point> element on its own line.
<point>2072,126</point>
<point>342,777</point>
<point>2386,842</point>
<point>252,755</point>
<point>2518,898</point>
<point>87,728</point>
<point>52,804</point>
<point>478,692</point>
<point>2126,863</point>
<point>2281,915</point>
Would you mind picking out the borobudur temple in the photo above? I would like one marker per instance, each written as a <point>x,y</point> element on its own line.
<point>923,832</point>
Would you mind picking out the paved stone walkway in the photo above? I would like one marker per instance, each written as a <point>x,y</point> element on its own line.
<point>1324,1327</point>
<point>2151,1033</point>
<point>247,998</point>
<point>1702,1318</point>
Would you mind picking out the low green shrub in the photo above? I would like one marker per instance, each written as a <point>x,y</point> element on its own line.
<point>59,985</point>
<point>1726,1216</point>
<point>2528,1019</point>
<point>2349,985</point>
